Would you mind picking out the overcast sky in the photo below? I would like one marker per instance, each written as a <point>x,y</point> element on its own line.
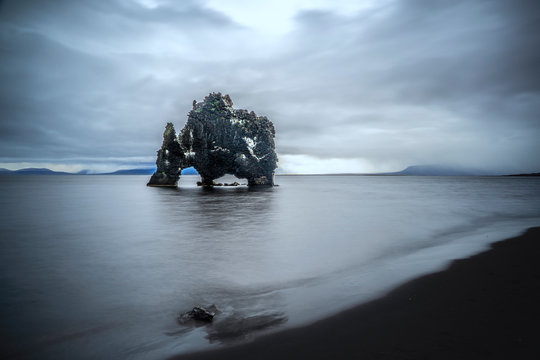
<point>351,86</point>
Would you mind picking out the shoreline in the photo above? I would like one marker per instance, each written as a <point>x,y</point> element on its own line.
<point>484,306</point>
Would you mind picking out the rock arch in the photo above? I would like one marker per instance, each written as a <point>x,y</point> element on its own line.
<point>217,140</point>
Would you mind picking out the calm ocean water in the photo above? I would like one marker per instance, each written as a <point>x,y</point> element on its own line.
<point>100,266</point>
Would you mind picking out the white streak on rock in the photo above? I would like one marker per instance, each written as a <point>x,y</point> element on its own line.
<point>251,144</point>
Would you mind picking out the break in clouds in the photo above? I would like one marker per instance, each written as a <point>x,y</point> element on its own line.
<point>370,87</point>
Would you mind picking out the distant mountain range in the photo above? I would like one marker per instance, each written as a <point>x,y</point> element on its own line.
<point>438,170</point>
<point>145,171</point>
<point>531,174</point>
<point>44,171</point>
<point>32,171</point>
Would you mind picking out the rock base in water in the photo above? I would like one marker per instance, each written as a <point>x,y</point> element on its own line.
<point>200,183</point>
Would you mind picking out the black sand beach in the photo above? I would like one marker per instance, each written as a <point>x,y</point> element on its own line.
<point>483,307</point>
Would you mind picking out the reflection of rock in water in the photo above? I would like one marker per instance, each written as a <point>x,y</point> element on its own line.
<point>246,207</point>
<point>237,326</point>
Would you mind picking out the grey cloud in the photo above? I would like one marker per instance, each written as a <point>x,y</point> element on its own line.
<point>469,66</point>
<point>44,89</point>
<point>405,82</point>
<point>63,101</point>
<point>103,16</point>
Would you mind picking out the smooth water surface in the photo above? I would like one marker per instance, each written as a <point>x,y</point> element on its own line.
<point>101,266</point>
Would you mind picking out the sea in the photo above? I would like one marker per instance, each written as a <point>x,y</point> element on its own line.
<point>101,267</point>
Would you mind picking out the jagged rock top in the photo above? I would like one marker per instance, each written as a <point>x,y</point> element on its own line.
<point>218,139</point>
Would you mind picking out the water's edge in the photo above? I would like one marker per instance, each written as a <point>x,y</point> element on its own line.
<point>457,246</point>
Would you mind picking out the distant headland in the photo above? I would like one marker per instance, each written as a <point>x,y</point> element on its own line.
<point>217,140</point>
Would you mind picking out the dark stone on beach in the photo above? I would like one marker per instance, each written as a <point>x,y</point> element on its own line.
<point>198,313</point>
<point>217,140</point>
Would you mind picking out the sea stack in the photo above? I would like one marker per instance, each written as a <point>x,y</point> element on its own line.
<point>169,160</point>
<point>217,140</point>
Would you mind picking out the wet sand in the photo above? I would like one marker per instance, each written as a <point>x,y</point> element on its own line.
<point>483,307</point>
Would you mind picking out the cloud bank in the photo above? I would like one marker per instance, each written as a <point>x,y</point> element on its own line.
<point>350,87</point>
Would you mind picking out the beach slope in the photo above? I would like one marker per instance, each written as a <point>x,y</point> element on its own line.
<point>483,307</point>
